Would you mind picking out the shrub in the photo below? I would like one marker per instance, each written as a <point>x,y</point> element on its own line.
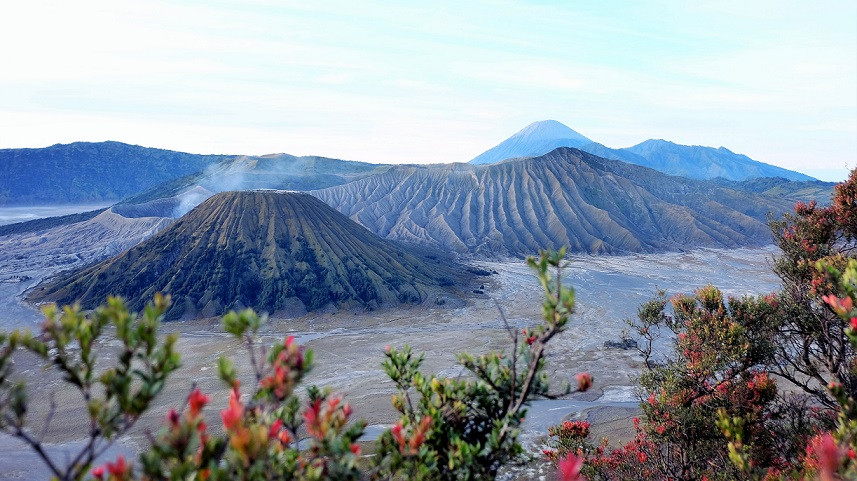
<point>712,408</point>
<point>115,396</point>
<point>260,439</point>
<point>468,428</point>
<point>812,347</point>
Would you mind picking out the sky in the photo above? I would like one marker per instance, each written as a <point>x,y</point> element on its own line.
<point>427,82</point>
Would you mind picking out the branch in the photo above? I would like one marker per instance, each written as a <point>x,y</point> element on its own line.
<point>36,446</point>
<point>513,333</point>
<point>249,340</point>
<point>49,418</point>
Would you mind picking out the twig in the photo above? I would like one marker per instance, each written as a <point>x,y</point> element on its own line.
<point>513,333</point>
<point>48,419</point>
<point>253,361</point>
<point>37,447</point>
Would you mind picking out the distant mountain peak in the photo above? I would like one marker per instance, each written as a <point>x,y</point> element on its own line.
<point>551,129</point>
<point>657,142</point>
<point>538,138</point>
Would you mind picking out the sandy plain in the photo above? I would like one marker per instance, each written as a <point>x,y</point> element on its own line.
<point>349,346</point>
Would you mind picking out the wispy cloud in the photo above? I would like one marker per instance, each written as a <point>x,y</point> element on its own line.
<point>429,82</point>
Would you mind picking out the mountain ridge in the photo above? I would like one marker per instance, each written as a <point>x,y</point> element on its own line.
<point>567,197</point>
<point>84,172</point>
<point>101,172</point>
<point>692,161</point>
<point>110,171</point>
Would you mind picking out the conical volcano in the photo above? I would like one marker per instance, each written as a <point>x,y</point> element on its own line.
<point>262,249</point>
<point>538,138</point>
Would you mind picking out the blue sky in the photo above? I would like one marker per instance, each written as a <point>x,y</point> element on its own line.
<point>433,81</point>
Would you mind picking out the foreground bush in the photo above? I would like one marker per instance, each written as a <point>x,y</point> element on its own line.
<point>753,388</point>
<point>468,428</point>
<point>449,428</point>
<point>812,348</point>
<point>115,396</point>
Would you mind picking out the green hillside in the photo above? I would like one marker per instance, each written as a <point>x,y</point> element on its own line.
<point>87,172</point>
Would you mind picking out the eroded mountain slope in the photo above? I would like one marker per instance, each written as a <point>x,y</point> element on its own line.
<point>567,197</point>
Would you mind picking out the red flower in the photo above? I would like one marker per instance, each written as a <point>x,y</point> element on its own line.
<point>854,323</point>
<point>840,306</point>
<point>119,468</point>
<point>420,434</point>
<point>396,431</point>
<point>98,472</point>
<point>197,400</point>
<point>584,381</point>
<point>233,415</point>
<point>275,429</point>
<point>569,468</point>
<point>173,417</point>
<point>529,337</point>
<point>828,454</point>
<point>355,448</point>
<point>312,419</point>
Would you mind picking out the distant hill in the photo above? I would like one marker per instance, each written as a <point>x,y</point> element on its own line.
<point>567,197</point>
<point>274,171</point>
<point>783,188</point>
<point>68,242</point>
<point>695,162</point>
<point>699,162</point>
<point>89,172</point>
<point>267,250</point>
<point>101,172</point>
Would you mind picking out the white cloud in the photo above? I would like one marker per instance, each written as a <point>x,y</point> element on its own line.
<point>392,82</point>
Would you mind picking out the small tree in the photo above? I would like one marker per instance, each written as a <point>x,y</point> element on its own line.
<point>261,433</point>
<point>468,428</point>
<point>830,454</point>
<point>115,396</point>
<point>812,349</point>
<point>712,410</point>
<point>719,348</point>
